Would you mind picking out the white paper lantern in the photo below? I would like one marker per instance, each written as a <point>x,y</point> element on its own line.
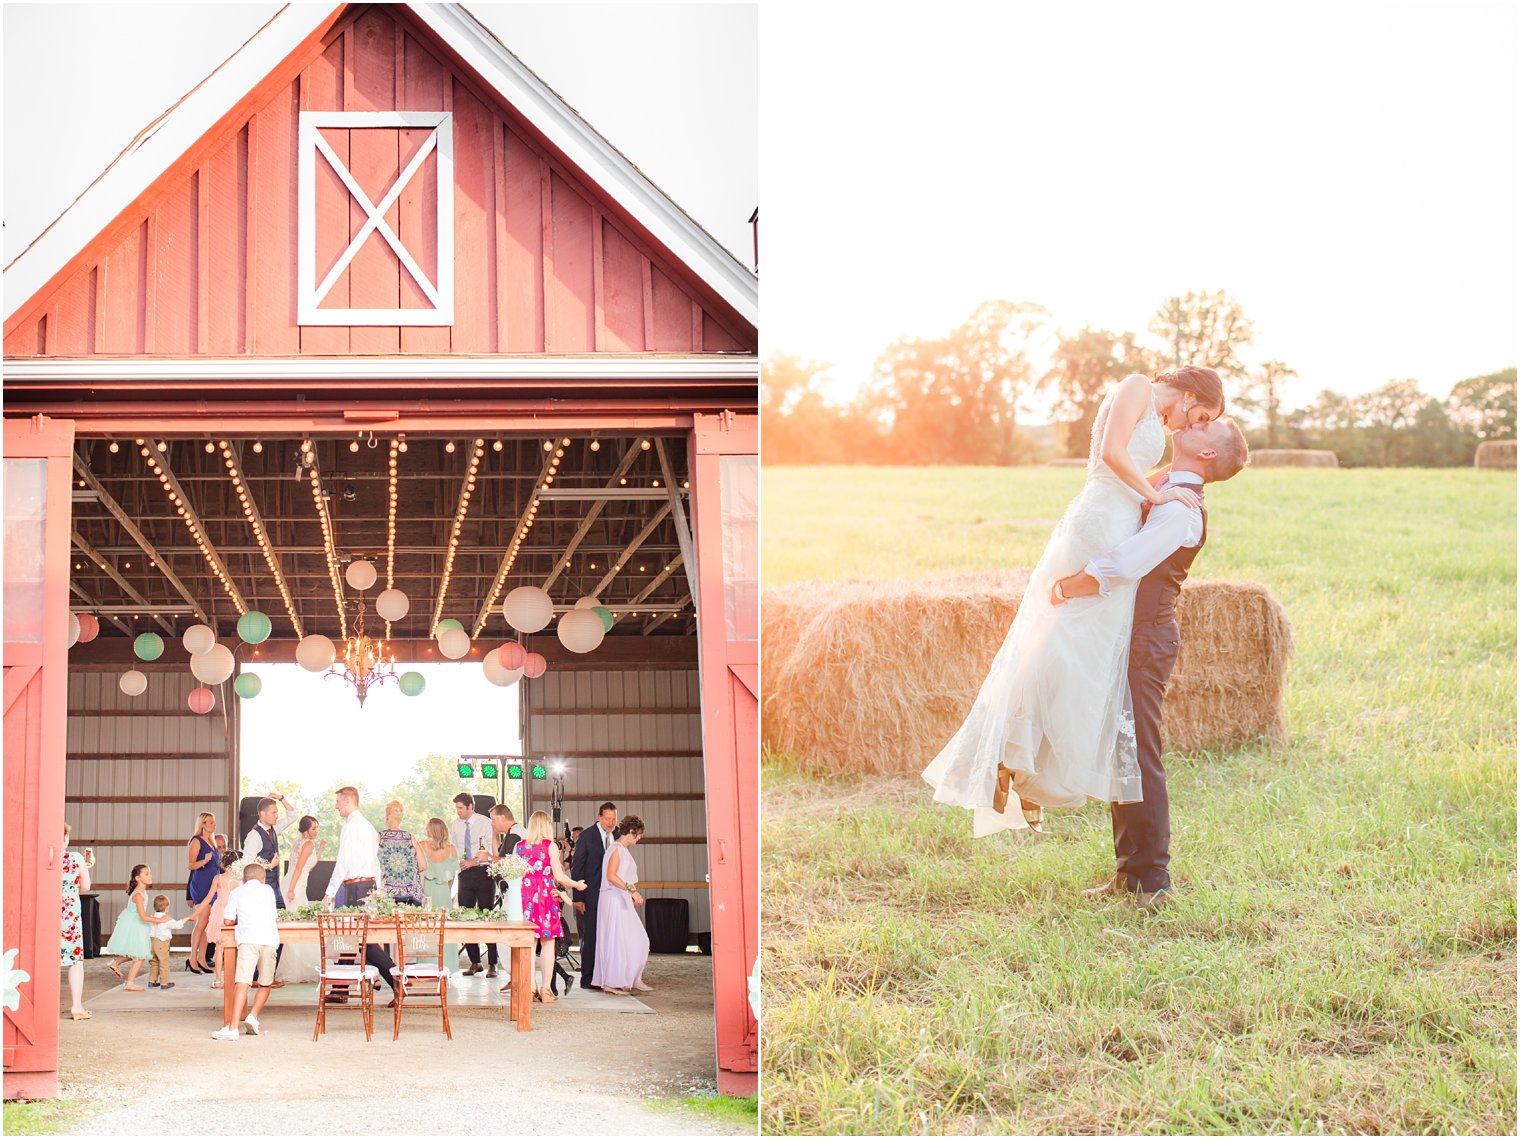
<point>198,639</point>
<point>315,653</point>
<point>581,630</point>
<point>454,643</point>
<point>360,574</point>
<point>392,604</point>
<point>528,608</point>
<point>73,630</point>
<point>496,673</point>
<point>133,683</point>
<point>214,665</point>
<point>587,603</point>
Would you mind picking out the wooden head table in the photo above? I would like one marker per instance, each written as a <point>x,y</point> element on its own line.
<point>520,936</point>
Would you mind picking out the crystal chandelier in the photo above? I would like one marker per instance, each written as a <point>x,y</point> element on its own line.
<point>363,661</point>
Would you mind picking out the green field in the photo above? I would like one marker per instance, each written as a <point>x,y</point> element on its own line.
<point>1341,956</point>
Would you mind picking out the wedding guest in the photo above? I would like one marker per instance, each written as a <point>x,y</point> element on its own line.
<point>76,879</point>
<point>131,939</point>
<point>357,871</point>
<point>586,865</point>
<point>221,844</point>
<point>158,968</point>
<point>401,861</point>
<point>470,834</point>
<point>539,897</point>
<point>505,829</point>
<point>252,907</point>
<point>299,962</point>
<point>204,857</point>
<point>263,841</point>
<point>440,865</point>
<point>622,943</point>
<point>220,891</point>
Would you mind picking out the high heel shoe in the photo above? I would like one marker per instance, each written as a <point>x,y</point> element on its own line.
<point>1004,786</point>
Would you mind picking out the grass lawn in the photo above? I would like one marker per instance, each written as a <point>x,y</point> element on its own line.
<point>1341,956</point>
<point>41,1117</point>
<point>739,1110</point>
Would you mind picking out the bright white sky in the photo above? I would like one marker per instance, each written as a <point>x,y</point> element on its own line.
<point>673,86</point>
<point>1346,170</point>
<point>306,727</point>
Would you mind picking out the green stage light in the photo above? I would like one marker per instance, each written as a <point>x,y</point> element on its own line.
<point>514,771</point>
<point>488,771</point>
<point>538,771</point>
<point>466,771</point>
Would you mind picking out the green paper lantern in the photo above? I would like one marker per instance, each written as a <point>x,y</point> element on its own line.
<point>412,683</point>
<point>253,627</point>
<point>248,685</point>
<point>605,614</point>
<point>447,623</point>
<point>148,646</point>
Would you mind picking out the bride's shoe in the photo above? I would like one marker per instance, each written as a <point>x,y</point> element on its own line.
<point>1004,786</point>
<point>1034,815</point>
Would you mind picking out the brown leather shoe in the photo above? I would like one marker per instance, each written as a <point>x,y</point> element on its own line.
<point>473,969</point>
<point>491,972</point>
<point>1114,887</point>
<point>1153,901</point>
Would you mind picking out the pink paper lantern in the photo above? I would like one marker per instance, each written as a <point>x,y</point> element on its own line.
<point>512,656</point>
<point>89,628</point>
<point>201,701</point>
<point>534,666</point>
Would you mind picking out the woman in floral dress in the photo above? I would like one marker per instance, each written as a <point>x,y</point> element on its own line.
<point>539,898</point>
<point>76,878</point>
<point>401,859</point>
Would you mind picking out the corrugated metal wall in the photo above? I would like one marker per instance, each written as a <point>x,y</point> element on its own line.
<point>139,771</point>
<point>633,736</point>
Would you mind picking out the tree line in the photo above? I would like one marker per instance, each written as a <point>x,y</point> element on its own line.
<point>955,398</point>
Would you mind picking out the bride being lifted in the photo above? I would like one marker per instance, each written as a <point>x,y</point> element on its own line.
<point>1051,723</point>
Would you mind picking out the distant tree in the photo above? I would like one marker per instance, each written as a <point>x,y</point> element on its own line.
<point>1208,328</point>
<point>1086,364</point>
<point>1261,390</point>
<point>1387,413</point>
<point>795,419</point>
<point>1485,405</point>
<point>1433,440</point>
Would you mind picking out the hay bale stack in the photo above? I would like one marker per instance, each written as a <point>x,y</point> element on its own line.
<point>1497,456</point>
<point>875,676</point>
<point>1293,458</point>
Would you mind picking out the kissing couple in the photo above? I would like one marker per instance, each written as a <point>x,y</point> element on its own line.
<point>1071,707</point>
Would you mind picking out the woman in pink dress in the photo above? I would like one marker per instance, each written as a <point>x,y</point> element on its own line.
<point>622,943</point>
<point>76,879</point>
<point>539,898</point>
<point>218,898</point>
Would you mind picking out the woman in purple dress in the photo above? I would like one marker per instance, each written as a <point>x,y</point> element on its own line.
<point>539,898</point>
<point>205,865</point>
<point>622,943</point>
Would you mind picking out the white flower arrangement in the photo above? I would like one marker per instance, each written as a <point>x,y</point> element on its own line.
<point>242,864</point>
<point>509,868</point>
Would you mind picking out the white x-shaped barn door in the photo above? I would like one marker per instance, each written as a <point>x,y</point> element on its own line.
<point>309,291</point>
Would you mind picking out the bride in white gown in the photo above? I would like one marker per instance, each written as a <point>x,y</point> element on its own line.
<point>1051,723</point>
<point>298,963</point>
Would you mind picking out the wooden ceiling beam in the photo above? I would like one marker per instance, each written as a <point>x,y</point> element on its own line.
<point>80,593</point>
<point>114,575</point>
<point>196,524</point>
<point>591,516</point>
<point>663,617</point>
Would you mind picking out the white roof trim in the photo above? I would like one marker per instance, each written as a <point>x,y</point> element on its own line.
<point>156,149</point>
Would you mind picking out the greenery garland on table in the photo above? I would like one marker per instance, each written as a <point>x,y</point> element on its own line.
<point>310,911</point>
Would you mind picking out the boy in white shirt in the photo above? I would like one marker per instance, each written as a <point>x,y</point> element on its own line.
<point>252,906</point>
<point>158,967</point>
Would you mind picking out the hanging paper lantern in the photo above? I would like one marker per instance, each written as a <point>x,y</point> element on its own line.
<point>361,574</point>
<point>587,603</point>
<point>580,630</point>
<point>606,615</point>
<point>528,608</point>
<point>535,666</point>
<point>412,683</point>
<point>445,625</point>
<point>89,628</point>
<point>248,685</point>
<point>214,665</point>
<point>392,604</point>
<point>148,646</point>
<point>490,664</point>
<point>198,639</point>
<point>454,643</point>
<point>73,630</point>
<point>253,627</point>
<point>201,701</point>
<point>512,656</point>
<point>316,653</point>
<point>133,683</point>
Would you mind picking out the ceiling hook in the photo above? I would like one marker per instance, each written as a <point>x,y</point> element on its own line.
<point>371,444</point>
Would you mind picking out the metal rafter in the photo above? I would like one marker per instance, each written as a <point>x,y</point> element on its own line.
<point>155,559</point>
<point>126,586</point>
<point>158,462</point>
<point>584,528</point>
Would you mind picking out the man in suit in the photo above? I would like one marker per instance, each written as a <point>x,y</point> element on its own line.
<point>1159,555</point>
<point>586,866</point>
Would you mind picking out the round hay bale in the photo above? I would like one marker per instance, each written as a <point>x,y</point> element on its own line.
<point>1495,456</point>
<point>1066,462</point>
<point>1293,458</point>
<point>877,675</point>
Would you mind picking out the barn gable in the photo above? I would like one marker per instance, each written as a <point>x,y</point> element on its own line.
<point>433,153</point>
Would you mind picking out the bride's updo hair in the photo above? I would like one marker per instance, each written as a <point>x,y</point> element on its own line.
<point>1202,383</point>
<point>629,824</point>
<point>308,823</point>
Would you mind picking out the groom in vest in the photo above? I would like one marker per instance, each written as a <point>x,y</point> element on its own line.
<point>1159,556</point>
<point>264,842</point>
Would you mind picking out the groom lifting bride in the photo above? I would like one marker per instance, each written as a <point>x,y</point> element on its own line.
<point>1071,707</point>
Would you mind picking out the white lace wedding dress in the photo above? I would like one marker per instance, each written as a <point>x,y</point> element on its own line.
<point>1055,704</point>
<point>298,963</point>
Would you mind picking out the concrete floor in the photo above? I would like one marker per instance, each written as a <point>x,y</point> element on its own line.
<point>156,1071</point>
